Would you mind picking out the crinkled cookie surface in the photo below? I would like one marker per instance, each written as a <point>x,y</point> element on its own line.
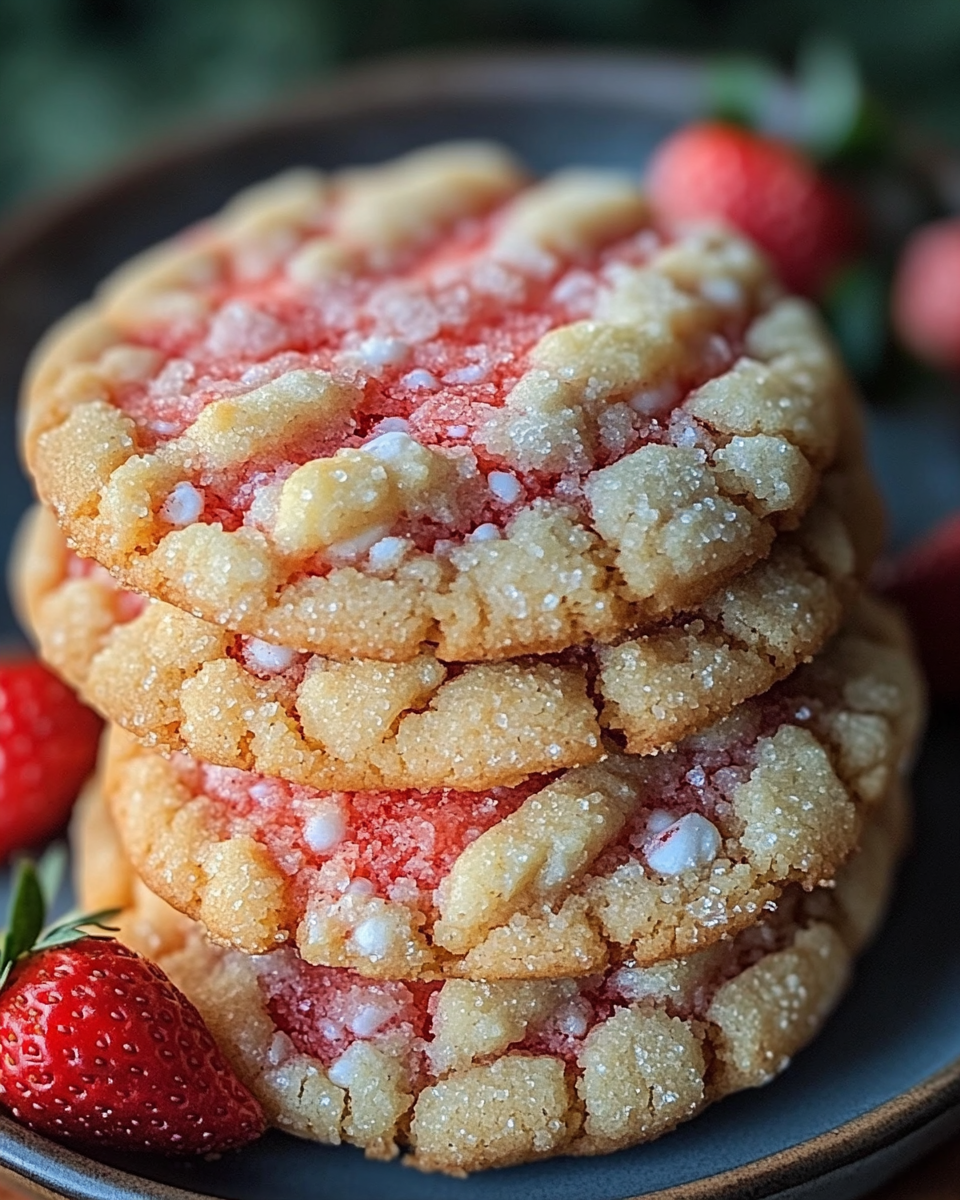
<point>430,405</point>
<point>560,876</point>
<point>466,1075</point>
<point>180,683</point>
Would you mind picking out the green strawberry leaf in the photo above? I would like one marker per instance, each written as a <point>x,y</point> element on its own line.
<point>76,926</point>
<point>738,90</point>
<point>51,870</point>
<point>24,918</point>
<point>841,120</point>
<point>34,887</point>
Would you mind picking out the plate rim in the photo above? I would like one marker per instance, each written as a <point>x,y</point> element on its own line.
<point>514,73</point>
<point>855,1140</point>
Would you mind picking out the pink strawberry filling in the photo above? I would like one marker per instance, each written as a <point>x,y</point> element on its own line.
<point>397,844</point>
<point>435,345</point>
<point>401,844</point>
<point>326,1010</point>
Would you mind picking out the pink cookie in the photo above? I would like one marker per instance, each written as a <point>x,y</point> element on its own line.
<point>428,404</point>
<point>634,857</point>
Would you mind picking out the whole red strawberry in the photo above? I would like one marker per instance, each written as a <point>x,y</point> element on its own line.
<point>765,188</point>
<point>48,746</point>
<point>101,1050</point>
<point>926,294</point>
<point>926,581</point>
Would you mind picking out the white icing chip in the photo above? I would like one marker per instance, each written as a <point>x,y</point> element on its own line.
<point>348,1066</point>
<point>391,446</point>
<point>687,844</point>
<point>183,506</point>
<point>350,549</point>
<point>393,425</point>
<point>473,373</point>
<point>388,553</point>
<point>372,937</point>
<point>484,533</point>
<point>378,352</point>
<point>659,820</point>
<point>370,1017</point>
<point>723,291</point>
<point>266,657</point>
<point>420,380</point>
<point>505,486</point>
<point>325,828</point>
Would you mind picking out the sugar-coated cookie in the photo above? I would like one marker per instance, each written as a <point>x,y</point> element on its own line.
<point>180,683</point>
<point>432,405</point>
<point>643,857</point>
<point>465,1075</point>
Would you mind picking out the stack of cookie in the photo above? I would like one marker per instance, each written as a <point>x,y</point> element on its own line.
<point>471,570</point>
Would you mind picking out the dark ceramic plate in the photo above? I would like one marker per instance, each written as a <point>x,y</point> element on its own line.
<point>882,1084</point>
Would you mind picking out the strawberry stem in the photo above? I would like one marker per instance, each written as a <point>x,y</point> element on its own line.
<point>34,887</point>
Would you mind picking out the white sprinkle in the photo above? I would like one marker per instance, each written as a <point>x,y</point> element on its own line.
<point>473,373</point>
<point>487,532</point>
<point>723,291</point>
<point>659,820</point>
<point>420,380</point>
<point>572,1018</point>
<point>183,506</point>
<point>350,549</point>
<point>266,657</point>
<point>391,446</point>
<point>388,553</point>
<point>348,1066</point>
<point>325,828</point>
<point>505,486</point>
<point>262,790</point>
<point>280,1048</point>
<point>383,351</point>
<point>457,431</point>
<point>654,400</point>
<point>369,1017</point>
<point>689,843</point>
<point>372,937</point>
<point>393,425</point>
<point>360,887</point>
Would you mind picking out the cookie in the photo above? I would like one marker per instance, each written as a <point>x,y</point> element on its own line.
<point>430,405</point>
<point>180,683</point>
<point>465,1075</point>
<point>560,876</point>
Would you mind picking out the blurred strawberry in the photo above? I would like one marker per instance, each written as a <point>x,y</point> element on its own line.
<point>767,189</point>
<point>926,581</point>
<point>48,746</point>
<point>926,294</point>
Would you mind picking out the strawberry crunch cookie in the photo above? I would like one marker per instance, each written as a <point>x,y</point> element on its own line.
<point>560,876</point>
<point>432,405</point>
<point>464,1075</point>
<point>180,683</point>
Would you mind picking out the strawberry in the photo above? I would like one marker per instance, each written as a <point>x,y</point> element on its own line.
<point>48,746</point>
<point>765,188</point>
<point>926,581</point>
<point>926,294</point>
<point>101,1050</point>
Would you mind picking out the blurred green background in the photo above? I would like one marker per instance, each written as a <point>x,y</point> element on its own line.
<point>84,81</point>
